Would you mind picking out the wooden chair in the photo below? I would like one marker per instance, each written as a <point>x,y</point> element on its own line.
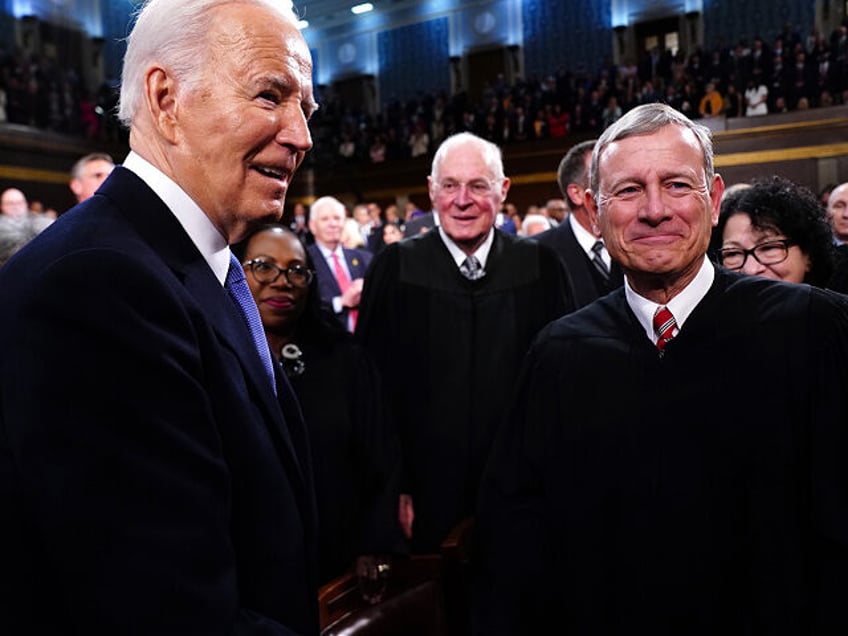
<point>426,595</point>
<point>413,603</point>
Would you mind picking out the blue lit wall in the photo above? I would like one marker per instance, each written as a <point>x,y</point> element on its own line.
<point>414,58</point>
<point>346,56</point>
<point>492,24</point>
<point>117,20</point>
<point>575,35</point>
<point>7,28</point>
<point>83,13</point>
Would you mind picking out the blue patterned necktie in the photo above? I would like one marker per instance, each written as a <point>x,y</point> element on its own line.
<point>239,292</point>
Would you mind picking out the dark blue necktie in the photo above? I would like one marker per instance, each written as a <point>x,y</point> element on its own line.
<point>236,285</point>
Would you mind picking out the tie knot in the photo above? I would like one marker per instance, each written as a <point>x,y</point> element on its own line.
<point>598,247</point>
<point>664,324</point>
<point>471,268</point>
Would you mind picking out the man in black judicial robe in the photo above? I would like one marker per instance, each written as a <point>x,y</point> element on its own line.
<point>449,347</point>
<point>707,495</point>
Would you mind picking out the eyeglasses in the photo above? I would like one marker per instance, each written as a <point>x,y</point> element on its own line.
<point>770,253</point>
<point>477,187</point>
<point>267,273</point>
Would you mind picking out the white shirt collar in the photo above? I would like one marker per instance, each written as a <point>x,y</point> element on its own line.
<point>327,253</point>
<point>194,221</point>
<point>680,306</point>
<point>587,240</point>
<point>583,236</point>
<point>482,252</point>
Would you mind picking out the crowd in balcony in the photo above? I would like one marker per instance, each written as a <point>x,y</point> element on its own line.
<point>41,92</point>
<point>787,71</point>
<point>753,77</point>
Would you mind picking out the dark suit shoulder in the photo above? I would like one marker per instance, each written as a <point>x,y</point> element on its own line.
<point>554,237</point>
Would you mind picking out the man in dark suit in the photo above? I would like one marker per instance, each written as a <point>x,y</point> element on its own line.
<point>708,494</point>
<point>449,335</point>
<point>154,478</point>
<point>579,244</point>
<point>340,270</point>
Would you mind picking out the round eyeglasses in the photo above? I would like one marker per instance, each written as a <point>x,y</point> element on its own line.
<point>267,273</point>
<point>770,253</point>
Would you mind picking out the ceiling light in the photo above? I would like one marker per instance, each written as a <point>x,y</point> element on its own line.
<point>365,7</point>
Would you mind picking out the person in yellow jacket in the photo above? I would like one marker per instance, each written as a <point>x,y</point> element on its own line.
<point>711,103</point>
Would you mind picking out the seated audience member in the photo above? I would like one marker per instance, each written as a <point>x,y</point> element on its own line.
<point>364,222</point>
<point>13,203</point>
<point>300,224</point>
<point>88,173</point>
<point>732,102</point>
<point>557,210</point>
<point>775,229</point>
<point>391,233</point>
<point>351,236</point>
<point>535,224</point>
<point>711,104</point>
<point>756,99</point>
<point>17,232</point>
<point>355,455</point>
<point>837,215</point>
<point>503,221</point>
<point>837,212</point>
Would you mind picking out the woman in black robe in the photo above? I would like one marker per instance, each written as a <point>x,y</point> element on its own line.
<point>355,454</point>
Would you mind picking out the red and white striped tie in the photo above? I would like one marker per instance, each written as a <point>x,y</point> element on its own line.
<point>664,324</point>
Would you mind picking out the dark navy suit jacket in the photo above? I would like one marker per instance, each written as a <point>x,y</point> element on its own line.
<point>586,282</point>
<point>328,287</point>
<point>150,481</point>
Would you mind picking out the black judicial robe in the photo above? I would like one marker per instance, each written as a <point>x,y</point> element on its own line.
<point>355,455</point>
<point>449,350</point>
<point>704,491</point>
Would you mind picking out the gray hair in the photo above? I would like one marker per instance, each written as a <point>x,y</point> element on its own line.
<point>646,119</point>
<point>572,168</point>
<point>174,33</point>
<point>534,219</point>
<point>328,203</point>
<point>492,156</point>
<point>81,163</point>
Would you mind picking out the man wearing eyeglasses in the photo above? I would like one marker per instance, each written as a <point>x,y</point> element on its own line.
<point>708,492</point>
<point>449,315</point>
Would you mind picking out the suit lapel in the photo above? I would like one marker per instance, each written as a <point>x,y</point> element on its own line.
<point>322,269</point>
<point>161,230</point>
<point>578,264</point>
